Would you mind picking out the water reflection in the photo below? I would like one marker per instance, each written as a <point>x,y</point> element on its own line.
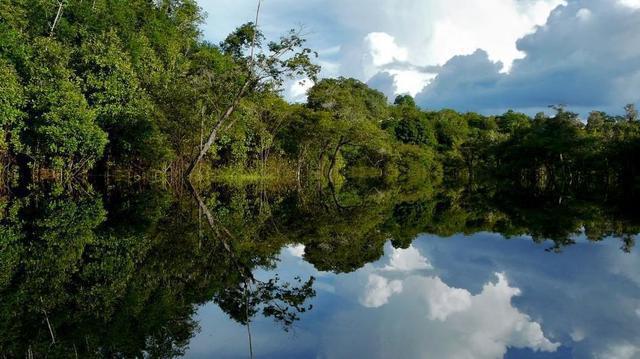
<point>317,272</point>
<point>473,296</point>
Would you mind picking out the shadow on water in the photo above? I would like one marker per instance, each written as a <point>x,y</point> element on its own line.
<point>121,271</point>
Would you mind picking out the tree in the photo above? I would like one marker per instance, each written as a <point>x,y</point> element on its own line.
<point>631,112</point>
<point>123,108</point>
<point>451,129</point>
<point>261,68</point>
<point>405,100</point>
<point>62,130</point>
<point>409,124</point>
<point>12,102</point>
<point>352,116</point>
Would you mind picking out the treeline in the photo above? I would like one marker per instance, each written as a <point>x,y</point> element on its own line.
<point>110,84</point>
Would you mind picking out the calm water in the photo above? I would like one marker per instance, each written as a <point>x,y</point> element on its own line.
<point>359,271</point>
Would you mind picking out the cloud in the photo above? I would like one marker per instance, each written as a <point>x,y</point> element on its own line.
<point>386,68</point>
<point>379,290</point>
<point>583,53</point>
<point>454,323</point>
<point>436,30</point>
<point>407,260</point>
<point>586,56</point>
<point>362,38</point>
<point>445,29</point>
<point>383,50</point>
<point>620,351</point>
<point>634,4</point>
<point>584,14</point>
<point>296,250</point>
<point>298,90</point>
<point>444,300</point>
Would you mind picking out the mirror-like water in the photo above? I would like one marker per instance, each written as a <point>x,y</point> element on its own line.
<point>472,296</point>
<point>457,271</point>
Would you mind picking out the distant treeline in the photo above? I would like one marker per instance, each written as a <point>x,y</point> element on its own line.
<point>106,84</point>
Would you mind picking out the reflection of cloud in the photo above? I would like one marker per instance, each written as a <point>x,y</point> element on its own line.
<point>296,250</point>
<point>577,335</point>
<point>444,300</point>
<point>572,301</point>
<point>325,287</point>
<point>503,325</point>
<point>486,324</point>
<point>379,290</point>
<point>457,324</point>
<point>592,319</point>
<point>621,351</point>
<point>407,260</point>
<point>498,324</point>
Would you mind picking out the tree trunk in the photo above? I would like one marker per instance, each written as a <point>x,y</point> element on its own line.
<point>55,21</point>
<point>215,226</point>
<point>335,157</point>
<point>214,132</point>
<point>301,154</point>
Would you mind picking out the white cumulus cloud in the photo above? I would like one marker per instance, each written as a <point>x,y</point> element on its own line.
<point>407,260</point>
<point>635,4</point>
<point>455,324</point>
<point>296,250</point>
<point>383,50</point>
<point>443,300</point>
<point>379,290</point>
<point>298,90</point>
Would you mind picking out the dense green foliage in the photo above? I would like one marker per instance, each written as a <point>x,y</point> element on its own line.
<point>131,84</point>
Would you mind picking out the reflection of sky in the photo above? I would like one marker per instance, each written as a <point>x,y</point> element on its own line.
<point>463,297</point>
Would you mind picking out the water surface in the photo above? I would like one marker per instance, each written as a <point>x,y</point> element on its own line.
<point>359,271</point>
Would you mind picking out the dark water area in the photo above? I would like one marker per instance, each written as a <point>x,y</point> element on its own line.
<point>354,270</point>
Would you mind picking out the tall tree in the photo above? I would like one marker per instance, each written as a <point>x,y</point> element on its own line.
<point>262,68</point>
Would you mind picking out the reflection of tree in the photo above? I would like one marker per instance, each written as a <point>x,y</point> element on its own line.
<point>129,282</point>
<point>75,281</point>
<point>280,301</point>
<point>339,238</point>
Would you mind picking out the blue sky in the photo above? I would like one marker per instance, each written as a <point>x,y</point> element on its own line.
<point>479,55</point>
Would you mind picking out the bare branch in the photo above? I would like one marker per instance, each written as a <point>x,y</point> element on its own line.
<point>58,15</point>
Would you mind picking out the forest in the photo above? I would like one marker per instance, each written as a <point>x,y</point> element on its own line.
<point>130,88</point>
